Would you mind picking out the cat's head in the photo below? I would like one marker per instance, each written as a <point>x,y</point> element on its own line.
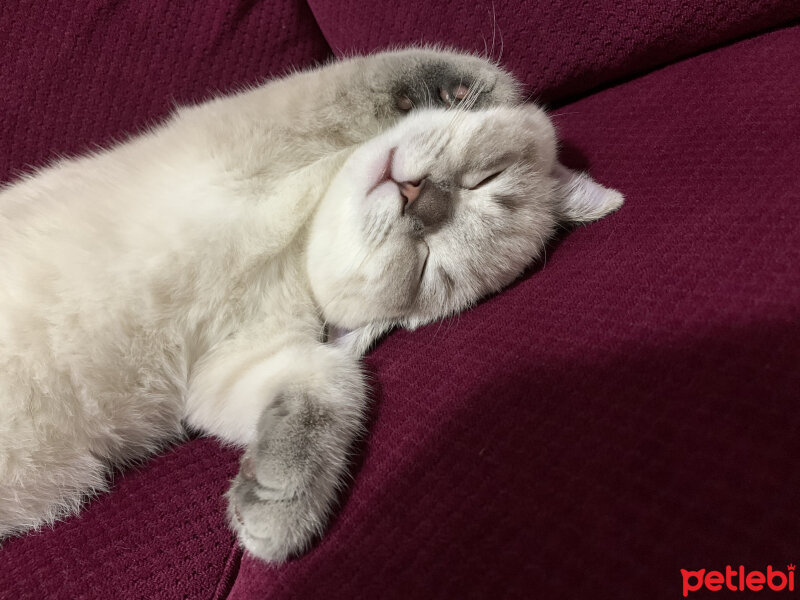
<point>439,211</point>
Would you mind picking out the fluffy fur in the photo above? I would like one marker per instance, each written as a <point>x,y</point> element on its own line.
<point>226,271</point>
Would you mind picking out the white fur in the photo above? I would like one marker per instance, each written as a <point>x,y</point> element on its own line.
<point>189,274</point>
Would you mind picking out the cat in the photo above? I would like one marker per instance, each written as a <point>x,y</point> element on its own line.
<point>226,270</point>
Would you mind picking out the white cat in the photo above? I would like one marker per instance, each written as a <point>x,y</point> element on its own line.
<point>227,269</point>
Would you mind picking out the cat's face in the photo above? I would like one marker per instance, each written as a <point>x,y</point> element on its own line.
<point>446,207</point>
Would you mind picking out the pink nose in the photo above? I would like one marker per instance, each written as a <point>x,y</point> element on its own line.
<point>410,190</point>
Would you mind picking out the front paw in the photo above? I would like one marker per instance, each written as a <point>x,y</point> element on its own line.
<point>435,84</point>
<point>273,521</point>
<point>279,501</point>
<point>427,78</point>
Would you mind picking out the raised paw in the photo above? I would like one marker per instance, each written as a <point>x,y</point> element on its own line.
<point>286,484</point>
<point>427,78</point>
<point>447,96</point>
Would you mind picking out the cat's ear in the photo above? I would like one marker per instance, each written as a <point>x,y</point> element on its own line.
<point>581,199</point>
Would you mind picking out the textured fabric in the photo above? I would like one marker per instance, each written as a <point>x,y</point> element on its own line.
<point>625,411</point>
<point>629,408</point>
<point>159,534</point>
<point>75,75</point>
<point>558,48</point>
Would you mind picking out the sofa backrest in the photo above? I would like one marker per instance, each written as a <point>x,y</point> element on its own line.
<point>77,75</point>
<point>559,48</point>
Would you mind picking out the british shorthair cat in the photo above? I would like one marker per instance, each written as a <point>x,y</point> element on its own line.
<point>226,270</point>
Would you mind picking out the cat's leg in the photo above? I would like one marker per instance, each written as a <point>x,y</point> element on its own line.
<point>43,478</point>
<point>313,113</point>
<point>61,435</point>
<point>371,93</point>
<point>43,498</point>
<point>298,408</point>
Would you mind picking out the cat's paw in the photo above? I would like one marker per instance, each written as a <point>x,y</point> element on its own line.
<point>435,91</point>
<point>279,501</point>
<point>428,78</point>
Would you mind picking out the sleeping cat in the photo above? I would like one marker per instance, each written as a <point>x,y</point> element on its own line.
<point>226,270</point>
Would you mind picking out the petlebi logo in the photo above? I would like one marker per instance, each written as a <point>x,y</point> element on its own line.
<point>739,580</point>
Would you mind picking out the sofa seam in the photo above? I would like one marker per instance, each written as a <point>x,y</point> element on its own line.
<point>230,572</point>
<point>334,52</point>
<point>567,99</point>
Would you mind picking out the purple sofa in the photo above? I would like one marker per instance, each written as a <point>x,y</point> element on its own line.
<point>626,410</point>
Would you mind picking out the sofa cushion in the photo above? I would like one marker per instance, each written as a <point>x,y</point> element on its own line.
<point>75,76</point>
<point>558,48</point>
<point>618,415</point>
<point>160,533</point>
<point>629,408</point>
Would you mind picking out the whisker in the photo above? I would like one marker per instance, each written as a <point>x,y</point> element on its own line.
<point>494,29</point>
<point>562,114</point>
<point>500,32</point>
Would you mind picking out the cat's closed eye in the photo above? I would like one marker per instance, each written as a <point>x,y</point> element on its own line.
<point>482,177</point>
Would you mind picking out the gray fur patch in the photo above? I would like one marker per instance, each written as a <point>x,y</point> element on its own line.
<point>433,208</point>
<point>508,201</point>
<point>430,79</point>
<point>447,281</point>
